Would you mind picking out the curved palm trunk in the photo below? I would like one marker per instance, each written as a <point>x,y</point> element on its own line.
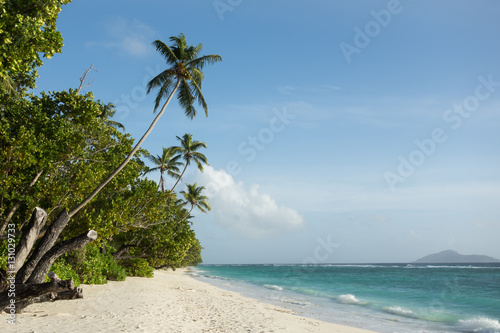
<point>129,157</point>
<point>180,177</point>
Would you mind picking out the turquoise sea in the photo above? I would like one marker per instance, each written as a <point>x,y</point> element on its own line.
<point>386,298</point>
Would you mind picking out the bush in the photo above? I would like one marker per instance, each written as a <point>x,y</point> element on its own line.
<point>137,267</point>
<point>94,267</point>
<point>64,272</point>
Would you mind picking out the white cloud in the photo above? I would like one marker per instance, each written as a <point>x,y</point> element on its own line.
<point>133,38</point>
<point>243,209</point>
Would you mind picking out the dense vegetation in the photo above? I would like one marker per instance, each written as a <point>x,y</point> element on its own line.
<point>58,147</point>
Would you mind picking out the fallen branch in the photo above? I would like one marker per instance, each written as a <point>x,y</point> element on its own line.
<point>27,294</point>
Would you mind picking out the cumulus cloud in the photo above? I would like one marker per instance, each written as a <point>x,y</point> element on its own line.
<point>243,209</point>
<point>131,37</point>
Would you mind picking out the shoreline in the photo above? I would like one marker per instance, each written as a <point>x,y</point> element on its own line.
<point>171,301</point>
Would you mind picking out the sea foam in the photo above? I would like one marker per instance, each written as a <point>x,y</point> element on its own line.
<point>348,299</point>
<point>479,325</point>
<point>400,311</point>
<point>273,287</point>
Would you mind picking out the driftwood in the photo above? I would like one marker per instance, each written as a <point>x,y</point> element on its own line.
<point>27,294</point>
<point>26,287</point>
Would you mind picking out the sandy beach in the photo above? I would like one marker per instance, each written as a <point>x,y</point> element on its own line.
<point>169,302</point>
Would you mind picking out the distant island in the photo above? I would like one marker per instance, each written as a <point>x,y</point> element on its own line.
<point>450,256</point>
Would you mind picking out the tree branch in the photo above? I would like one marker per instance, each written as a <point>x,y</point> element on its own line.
<point>82,79</point>
<point>56,251</point>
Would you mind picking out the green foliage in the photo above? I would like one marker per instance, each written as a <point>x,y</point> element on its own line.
<point>3,255</point>
<point>193,255</point>
<point>137,267</point>
<point>94,267</point>
<point>64,271</point>
<point>63,136</point>
<point>27,32</point>
<point>56,148</point>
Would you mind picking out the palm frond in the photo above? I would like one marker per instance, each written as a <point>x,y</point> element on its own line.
<point>154,159</point>
<point>199,96</point>
<point>165,51</point>
<point>152,170</point>
<point>204,60</point>
<point>165,91</point>
<point>180,46</point>
<point>196,75</point>
<point>174,173</point>
<point>186,99</point>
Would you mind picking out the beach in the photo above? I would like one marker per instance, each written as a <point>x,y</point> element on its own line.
<point>172,301</point>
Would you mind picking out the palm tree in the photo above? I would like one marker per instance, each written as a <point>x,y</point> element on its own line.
<point>165,162</point>
<point>108,111</point>
<point>188,151</point>
<point>183,76</point>
<point>194,197</point>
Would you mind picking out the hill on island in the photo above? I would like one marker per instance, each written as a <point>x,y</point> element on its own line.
<point>450,256</point>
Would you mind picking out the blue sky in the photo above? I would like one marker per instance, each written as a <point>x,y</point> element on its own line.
<point>338,131</point>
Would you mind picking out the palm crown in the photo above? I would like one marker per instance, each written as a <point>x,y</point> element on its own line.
<point>188,150</point>
<point>166,162</point>
<point>195,198</point>
<point>185,73</point>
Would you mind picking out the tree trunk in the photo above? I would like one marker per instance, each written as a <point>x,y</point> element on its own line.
<point>162,181</point>
<point>45,244</point>
<point>180,177</point>
<point>26,294</point>
<point>56,251</point>
<point>129,157</point>
<point>28,238</point>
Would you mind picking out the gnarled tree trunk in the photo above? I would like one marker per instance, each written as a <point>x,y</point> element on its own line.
<point>27,286</point>
<point>23,248</point>
<point>44,245</point>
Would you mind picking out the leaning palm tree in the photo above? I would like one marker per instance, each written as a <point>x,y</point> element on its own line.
<point>166,162</point>
<point>183,76</point>
<point>194,197</point>
<point>188,151</point>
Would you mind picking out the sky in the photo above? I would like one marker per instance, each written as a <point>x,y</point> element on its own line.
<point>338,131</point>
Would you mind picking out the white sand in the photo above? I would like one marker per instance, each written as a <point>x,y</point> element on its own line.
<point>169,302</point>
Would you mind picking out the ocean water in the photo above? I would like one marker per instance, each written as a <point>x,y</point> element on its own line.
<point>386,298</point>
